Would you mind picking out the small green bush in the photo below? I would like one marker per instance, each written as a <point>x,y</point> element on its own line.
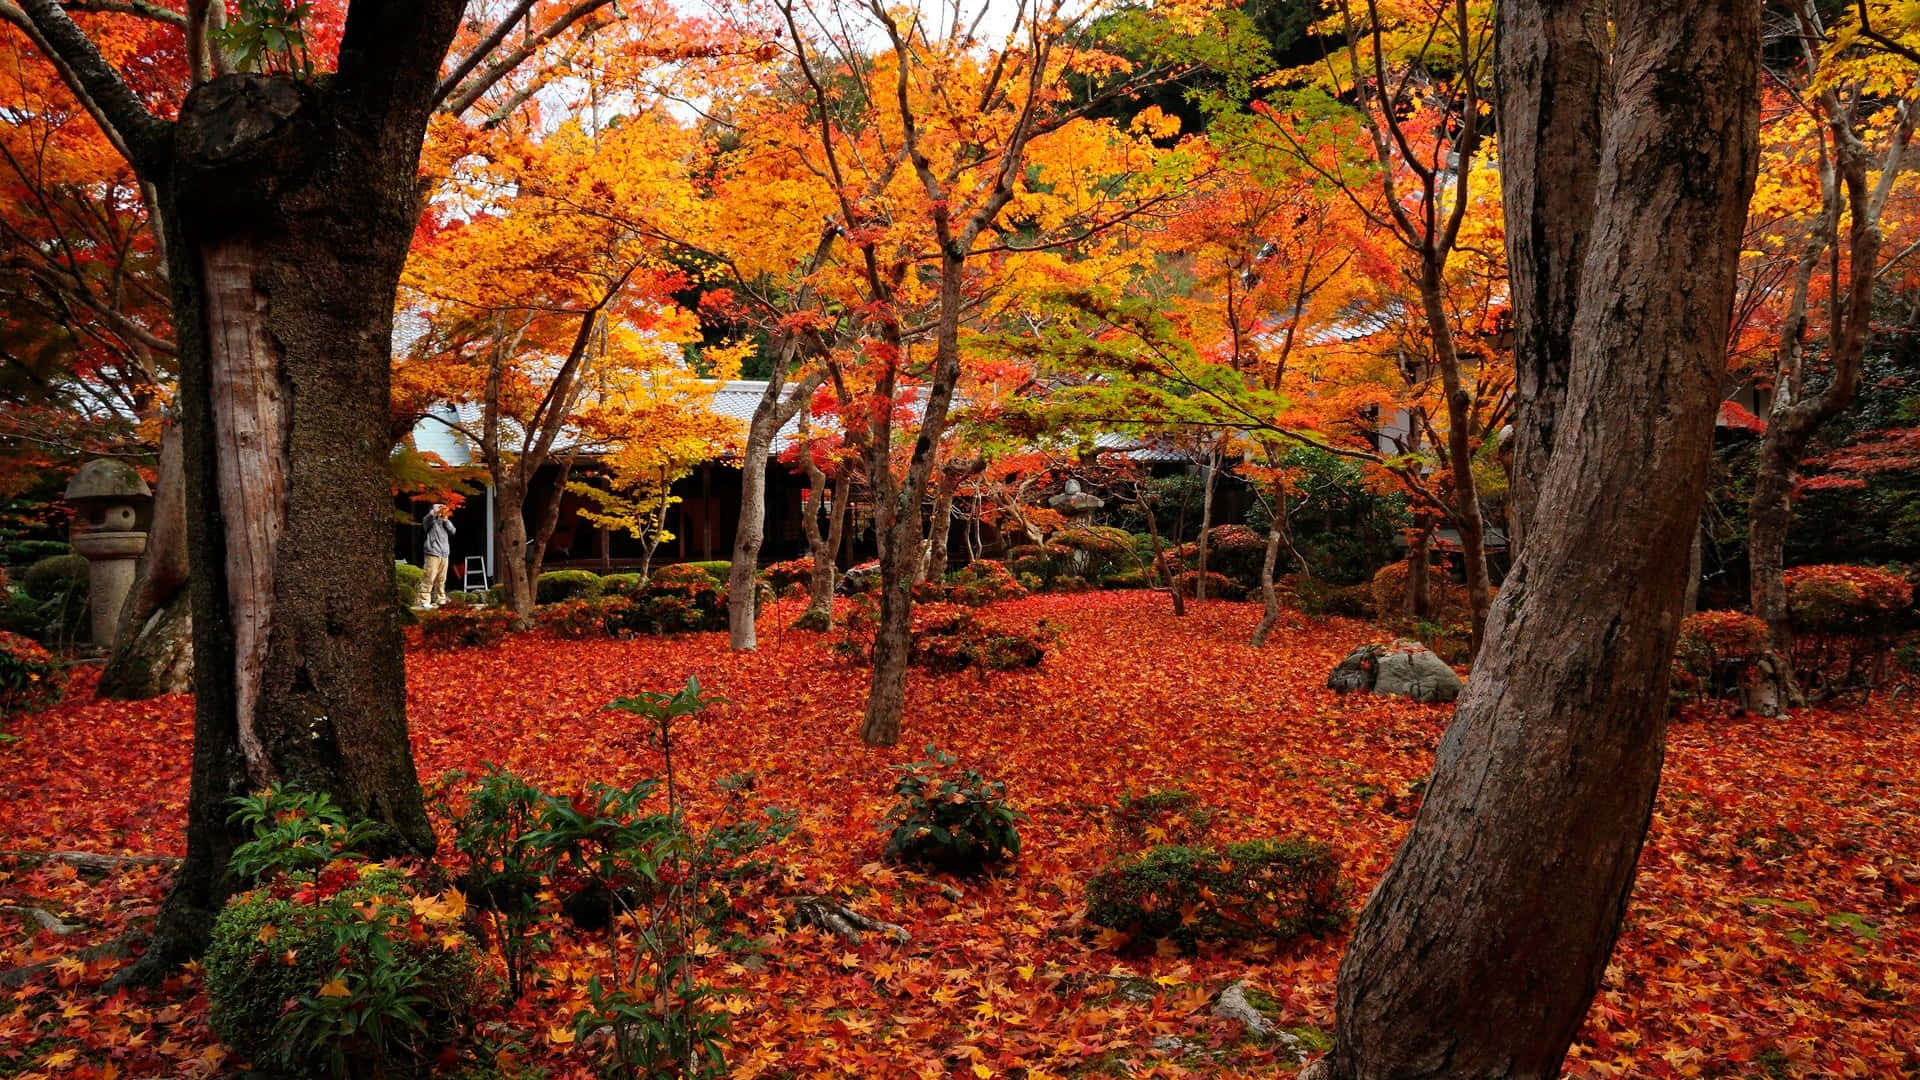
<point>1160,816</point>
<point>27,552</point>
<point>950,818</point>
<point>557,585</point>
<point>982,582</point>
<point>406,583</point>
<point>30,678</point>
<point>689,573</point>
<point>1274,890</point>
<point>619,584</point>
<point>348,976</point>
<point>55,576</point>
<point>668,608</point>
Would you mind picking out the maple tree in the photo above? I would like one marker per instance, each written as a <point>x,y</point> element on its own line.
<point>1838,157</point>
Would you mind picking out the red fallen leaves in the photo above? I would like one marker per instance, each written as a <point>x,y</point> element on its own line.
<point>1775,930</point>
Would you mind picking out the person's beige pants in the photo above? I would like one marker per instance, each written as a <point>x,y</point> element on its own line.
<point>433,587</point>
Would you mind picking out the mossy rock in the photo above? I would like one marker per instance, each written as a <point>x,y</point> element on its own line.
<point>1273,890</point>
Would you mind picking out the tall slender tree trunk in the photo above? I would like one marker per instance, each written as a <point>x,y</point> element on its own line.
<point>770,414</point>
<point>939,526</point>
<point>1466,496</point>
<point>1479,952</point>
<point>1279,533</point>
<point>1419,598</point>
<point>1211,472</point>
<point>511,544</point>
<point>823,546</point>
<point>1159,549</point>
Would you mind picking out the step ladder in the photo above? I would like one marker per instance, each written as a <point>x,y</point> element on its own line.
<point>474,570</point>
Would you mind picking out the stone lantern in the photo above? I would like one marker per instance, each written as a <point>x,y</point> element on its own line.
<point>111,506</point>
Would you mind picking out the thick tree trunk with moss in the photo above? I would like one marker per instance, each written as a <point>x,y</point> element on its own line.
<point>288,208</point>
<point>1480,950</point>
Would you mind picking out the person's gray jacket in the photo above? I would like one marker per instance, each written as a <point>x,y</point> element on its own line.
<point>439,529</point>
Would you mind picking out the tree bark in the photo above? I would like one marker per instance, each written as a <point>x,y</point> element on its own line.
<point>1550,165</point>
<point>1481,948</point>
<point>511,545</point>
<point>153,651</point>
<point>1211,471</point>
<point>770,414</point>
<point>1466,496</point>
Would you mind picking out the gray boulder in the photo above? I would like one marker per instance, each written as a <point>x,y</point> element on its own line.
<point>1410,670</point>
<point>1357,672</point>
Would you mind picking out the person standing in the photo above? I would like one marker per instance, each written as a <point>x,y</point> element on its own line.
<point>433,585</point>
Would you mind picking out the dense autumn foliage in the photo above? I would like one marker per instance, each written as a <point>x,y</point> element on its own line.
<point>1775,930</point>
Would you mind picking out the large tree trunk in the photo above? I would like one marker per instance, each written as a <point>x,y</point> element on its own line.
<point>153,652</point>
<point>289,209</point>
<point>1481,948</point>
<point>900,551</point>
<point>940,526</point>
<point>742,596</point>
<point>1549,215</point>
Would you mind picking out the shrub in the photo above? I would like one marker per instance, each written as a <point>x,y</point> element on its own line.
<point>1274,889</point>
<point>30,678</point>
<point>1236,552</point>
<point>693,573</point>
<point>668,608</point>
<point>576,620</point>
<point>1389,590</point>
<point>406,584</point>
<point>28,552</point>
<point>1169,816</point>
<point>464,627</point>
<point>55,576</point>
<point>353,975</point>
<point>1044,562</point>
<point>1133,578</point>
<point>1219,586</point>
<point>1716,652</point>
<point>784,575</point>
<point>1316,597</point>
<point>1847,600</point>
<point>1845,622</point>
<point>619,584</point>
<point>555,586</point>
<point>947,640</point>
<point>950,818</point>
<point>982,582</point>
<point>1100,549</point>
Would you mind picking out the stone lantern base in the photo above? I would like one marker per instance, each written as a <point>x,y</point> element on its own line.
<point>112,561</point>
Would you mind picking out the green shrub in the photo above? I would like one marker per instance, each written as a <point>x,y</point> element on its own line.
<point>55,576</point>
<point>950,818</point>
<point>464,628</point>
<point>1134,578</point>
<point>1275,890</point>
<point>30,678</point>
<point>690,573</point>
<point>353,975</point>
<point>619,584</point>
<point>406,584</point>
<point>27,552</point>
<point>982,582</point>
<point>557,585</point>
<point>1160,816</point>
<point>1100,549</point>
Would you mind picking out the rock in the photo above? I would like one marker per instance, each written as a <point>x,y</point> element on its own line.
<point>1357,672</point>
<point>1232,1004</point>
<point>1410,670</point>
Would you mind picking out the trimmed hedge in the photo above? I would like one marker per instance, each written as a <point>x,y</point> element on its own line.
<point>55,576</point>
<point>1273,890</point>
<point>555,586</point>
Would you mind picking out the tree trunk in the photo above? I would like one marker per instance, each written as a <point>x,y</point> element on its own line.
<point>1466,496</point>
<point>154,646</point>
<point>826,574</point>
<point>742,596</point>
<point>1269,596</point>
<point>510,545</point>
<point>1480,950</point>
<point>288,211</point>
<point>1549,212</point>
<point>939,525</point>
<point>1419,599</point>
<point>1211,471</point>
<point>543,527</point>
<point>1696,558</point>
<point>1173,571</point>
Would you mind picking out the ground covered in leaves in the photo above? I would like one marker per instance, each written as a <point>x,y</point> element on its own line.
<point>1775,931</point>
